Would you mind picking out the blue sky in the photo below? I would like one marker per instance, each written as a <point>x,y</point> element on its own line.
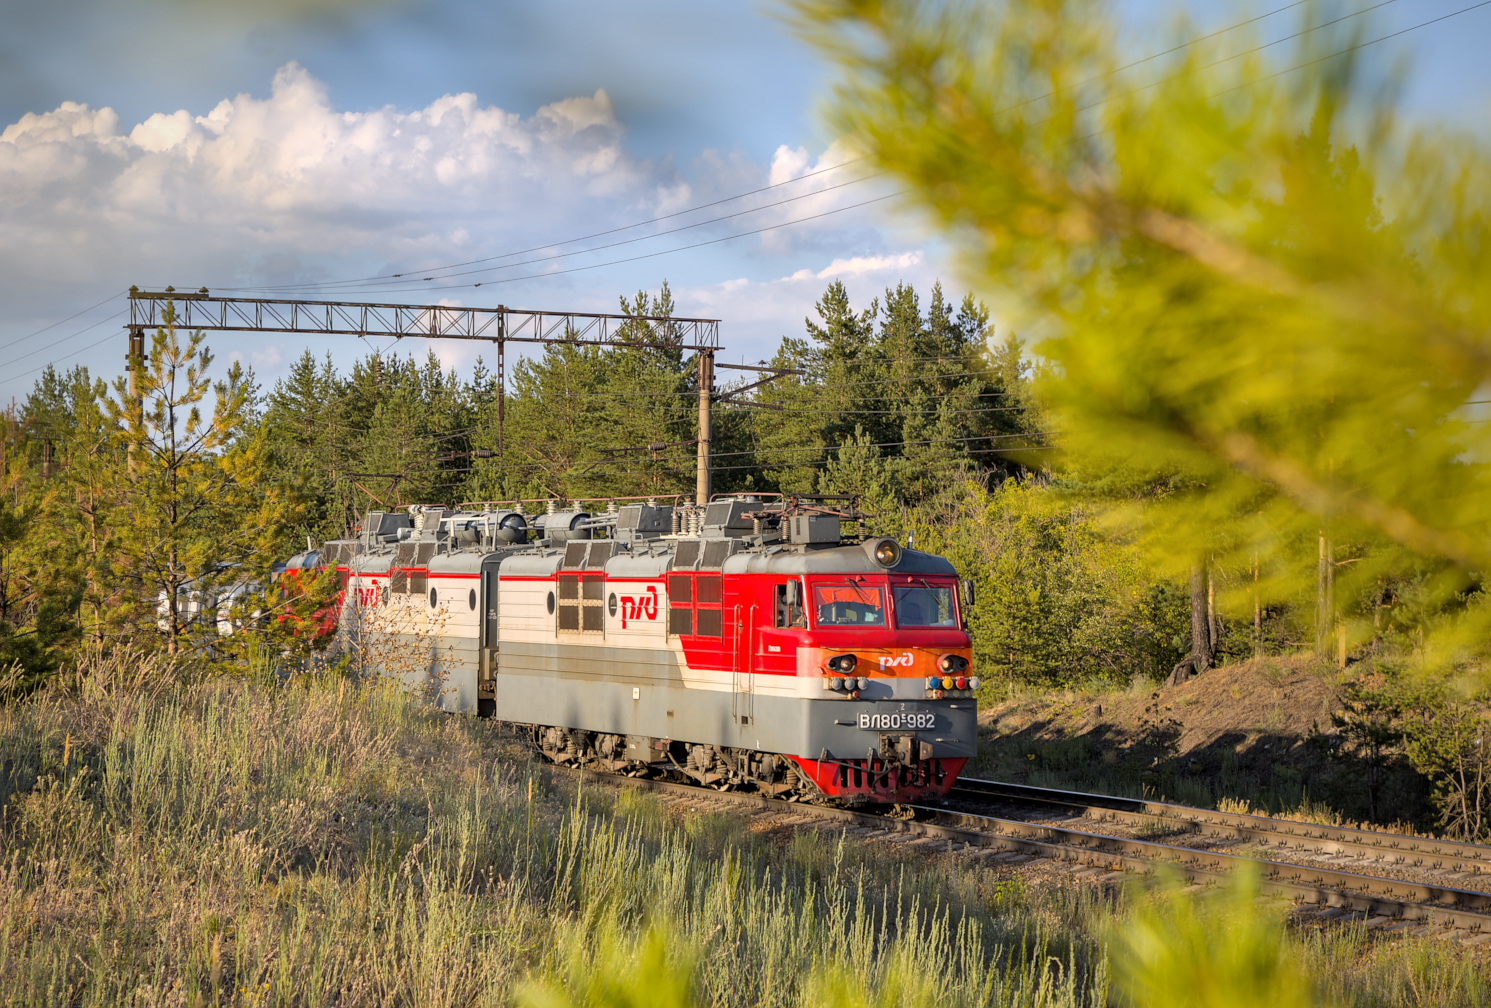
<point>210,142</point>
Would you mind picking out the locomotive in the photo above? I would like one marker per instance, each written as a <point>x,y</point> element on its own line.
<point>747,642</point>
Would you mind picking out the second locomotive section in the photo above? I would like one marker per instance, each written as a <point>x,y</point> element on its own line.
<point>789,659</point>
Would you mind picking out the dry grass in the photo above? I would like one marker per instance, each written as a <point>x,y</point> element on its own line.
<point>226,843</point>
<point>233,843</point>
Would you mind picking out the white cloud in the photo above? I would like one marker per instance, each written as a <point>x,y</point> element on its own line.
<point>869,264</point>
<point>288,179</point>
<point>287,188</point>
<point>757,314</point>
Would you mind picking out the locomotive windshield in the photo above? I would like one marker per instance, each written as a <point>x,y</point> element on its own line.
<point>924,606</point>
<point>849,606</point>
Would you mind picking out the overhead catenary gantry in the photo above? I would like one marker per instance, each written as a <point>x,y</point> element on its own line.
<point>500,325</point>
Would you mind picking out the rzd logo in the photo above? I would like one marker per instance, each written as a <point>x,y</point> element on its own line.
<point>891,661</point>
<point>635,607</point>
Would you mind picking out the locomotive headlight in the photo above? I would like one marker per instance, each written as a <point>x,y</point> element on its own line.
<point>887,553</point>
<point>843,663</point>
<point>952,663</point>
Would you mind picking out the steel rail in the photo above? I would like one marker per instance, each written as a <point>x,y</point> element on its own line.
<point>1391,898</point>
<point>1283,834</point>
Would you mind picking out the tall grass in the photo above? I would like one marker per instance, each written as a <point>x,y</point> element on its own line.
<point>321,843</point>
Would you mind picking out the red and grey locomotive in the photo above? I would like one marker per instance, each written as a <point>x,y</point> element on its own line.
<point>744,643</point>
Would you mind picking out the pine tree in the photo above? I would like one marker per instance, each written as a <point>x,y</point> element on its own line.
<point>1253,287</point>
<point>190,510</point>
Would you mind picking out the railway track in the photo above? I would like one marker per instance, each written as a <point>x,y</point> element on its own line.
<point>1447,861</point>
<point>1381,901</point>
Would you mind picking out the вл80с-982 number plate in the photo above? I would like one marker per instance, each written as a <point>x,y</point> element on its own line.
<point>898,721</point>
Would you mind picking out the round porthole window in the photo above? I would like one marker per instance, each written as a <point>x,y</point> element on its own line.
<point>471,600</point>
<point>551,603</point>
<point>434,598</point>
<point>611,603</point>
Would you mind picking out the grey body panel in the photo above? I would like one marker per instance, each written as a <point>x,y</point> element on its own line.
<point>532,564</point>
<point>545,684</point>
<point>440,671</point>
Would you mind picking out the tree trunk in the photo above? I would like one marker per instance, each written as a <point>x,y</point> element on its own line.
<point>1201,642</point>
<point>1322,610</point>
<point>1257,612</point>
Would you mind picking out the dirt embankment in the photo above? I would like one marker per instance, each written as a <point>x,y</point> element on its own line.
<point>1259,732</point>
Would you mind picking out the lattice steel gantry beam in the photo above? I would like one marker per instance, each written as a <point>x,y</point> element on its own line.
<point>200,310</point>
<point>501,325</point>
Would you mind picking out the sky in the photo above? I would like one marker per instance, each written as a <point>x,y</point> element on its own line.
<point>253,147</point>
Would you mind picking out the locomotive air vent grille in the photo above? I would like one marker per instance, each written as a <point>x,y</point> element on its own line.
<point>718,514</point>
<point>688,554</point>
<point>715,552</point>
<point>574,554</point>
<point>600,552</point>
<point>404,554</point>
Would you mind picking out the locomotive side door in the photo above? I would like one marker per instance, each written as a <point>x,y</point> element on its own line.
<point>742,666</point>
<point>486,685</point>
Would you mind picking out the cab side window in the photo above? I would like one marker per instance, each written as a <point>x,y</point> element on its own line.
<point>789,606</point>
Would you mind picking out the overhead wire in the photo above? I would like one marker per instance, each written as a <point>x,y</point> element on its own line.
<point>1352,48</point>
<point>567,241</point>
<point>611,473</point>
<point>729,199</point>
<point>694,394</point>
<point>64,339</point>
<point>918,442</point>
<point>1358,46</point>
<point>638,258</point>
<point>66,356</point>
<point>1248,52</point>
<point>54,325</point>
<point>441,274</point>
<point>1290,69</point>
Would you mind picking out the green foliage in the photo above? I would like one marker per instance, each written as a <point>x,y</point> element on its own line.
<point>902,404</point>
<point>1260,294</point>
<point>1059,598</point>
<point>1448,739</point>
<point>191,516</point>
<point>582,420</point>
<point>191,493</point>
<point>1369,727</point>
<point>1220,951</point>
<point>611,971</point>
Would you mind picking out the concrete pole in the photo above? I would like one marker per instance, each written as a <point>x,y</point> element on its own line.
<point>502,407</point>
<point>706,393</point>
<point>135,359</point>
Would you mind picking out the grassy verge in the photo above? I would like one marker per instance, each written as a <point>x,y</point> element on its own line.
<point>1254,735</point>
<point>320,844</point>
